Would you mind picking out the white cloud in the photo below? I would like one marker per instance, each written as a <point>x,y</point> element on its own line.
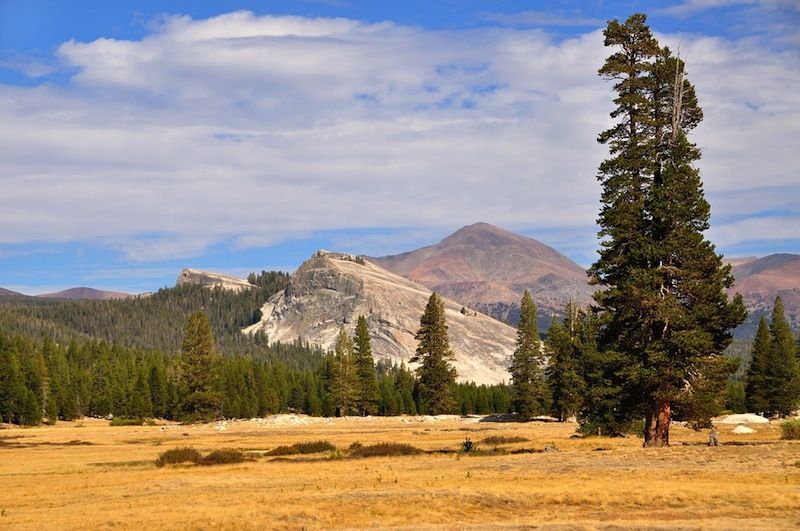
<point>252,130</point>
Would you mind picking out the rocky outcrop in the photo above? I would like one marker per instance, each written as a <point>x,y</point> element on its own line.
<point>331,290</point>
<point>213,280</point>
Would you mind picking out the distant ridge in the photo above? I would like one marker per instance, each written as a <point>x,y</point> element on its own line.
<point>760,280</point>
<point>488,268</point>
<point>84,293</point>
<point>8,293</point>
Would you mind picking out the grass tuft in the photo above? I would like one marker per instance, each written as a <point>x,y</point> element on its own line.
<point>179,455</point>
<point>497,440</point>
<point>225,456</point>
<point>790,430</point>
<point>386,450</point>
<point>124,421</point>
<point>304,448</point>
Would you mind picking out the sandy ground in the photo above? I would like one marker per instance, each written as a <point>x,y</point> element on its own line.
<point>88,475</point>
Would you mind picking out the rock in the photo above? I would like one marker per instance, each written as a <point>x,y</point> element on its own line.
<point>742,418</point>
<point>742,430</point>
<point>213,280</point>
<point>331,290</point>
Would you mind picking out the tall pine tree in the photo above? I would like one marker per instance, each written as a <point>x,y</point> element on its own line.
<point>200,371</point>
<point>756,389</point>
<point>435,374</point>
<point>663,298</point>
<point>365,368</point>
<point>527,379</point>
<point>565,368</point>
<point>344,377</point>
<point>783,379</point>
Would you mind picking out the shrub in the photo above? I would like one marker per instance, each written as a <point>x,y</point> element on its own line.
<point>790,430</point>
<point>225,456</point>
<point>314,447</point>
<point>468,446</point>
<point>497,440</point>
<point>125,421</point>
<point>386,450</point>
<point>179,455</point>
<point>355,446</point>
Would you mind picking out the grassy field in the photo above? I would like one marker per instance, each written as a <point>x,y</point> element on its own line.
<point>86,474</point>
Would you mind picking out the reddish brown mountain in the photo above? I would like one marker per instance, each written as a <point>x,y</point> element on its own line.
<point>86,294</point>
<point>488,268</point>
<point>8,293</point>
<point>761,280</point>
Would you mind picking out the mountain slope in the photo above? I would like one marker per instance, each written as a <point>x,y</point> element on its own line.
<point>84,293</point>
<point>8,293</point>
<point>761,280</point>
<point>332,289</point>
<point>488,268</point>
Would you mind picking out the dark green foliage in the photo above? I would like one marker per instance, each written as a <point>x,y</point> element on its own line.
<point>199,370</point>
<point>783,373</point>
<point>528,386</point>
<point>155,321</point>
<point>757,392</point>
<point>790,430</point>
<point>735,396</point>
<point>178,455</point>
<point>303,448</point>
<point>435,374</point>
<point>566,364</point>
<point>365,369</point>
<point>223,456</point>
<point>663,305</point>
<point>385,450</point>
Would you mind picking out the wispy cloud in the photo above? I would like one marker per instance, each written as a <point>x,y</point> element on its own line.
<point>250,130</point>
<point>692,7</point>
<point>542,18</point>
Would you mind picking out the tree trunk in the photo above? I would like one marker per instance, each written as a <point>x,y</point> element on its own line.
<point>656,429</point>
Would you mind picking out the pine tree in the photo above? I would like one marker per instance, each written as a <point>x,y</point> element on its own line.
<point>663,301</point>
<point>344,378</point>
<point>526,364</point>
<point>200,369</point>
<point>565,368</point>
<point>782,377</point>
<point>141,401</point>
<point>365,368</point>
<point>756,390</point>
<point>435,375</point>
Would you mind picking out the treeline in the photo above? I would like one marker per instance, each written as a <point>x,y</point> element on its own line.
<point>42,380</point>
<point>150,322</point>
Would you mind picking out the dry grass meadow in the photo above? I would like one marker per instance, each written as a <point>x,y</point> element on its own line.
<point>88,475</point>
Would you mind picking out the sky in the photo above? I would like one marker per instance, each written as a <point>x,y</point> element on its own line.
<point>139,138</point>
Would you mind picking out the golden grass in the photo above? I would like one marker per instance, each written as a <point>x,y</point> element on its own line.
<point>79,475</point>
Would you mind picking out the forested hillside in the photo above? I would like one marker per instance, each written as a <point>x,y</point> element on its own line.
<point>151,322</point>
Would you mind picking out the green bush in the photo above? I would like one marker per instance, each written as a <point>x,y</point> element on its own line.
<point>124,421</point>
<point>314,447</point>
<point>386,450</point>
<point>790,430</point>
<point>225,456</point>
<point>497,440</point>
<point>355,446</point>
<point>179,455</point>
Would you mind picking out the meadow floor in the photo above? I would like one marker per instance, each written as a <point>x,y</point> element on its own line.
<point>88,475</point>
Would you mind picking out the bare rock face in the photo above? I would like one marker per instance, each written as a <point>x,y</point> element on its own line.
<point>333,289</point>
<point>212,280</point>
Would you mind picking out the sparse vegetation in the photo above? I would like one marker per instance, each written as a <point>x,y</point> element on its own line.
<point>790,430</point>
<point>302,448</point>
<point>126,421</point>
<point>497,440</point>
<point>386,450</point>
<point>224,456</point>
<point>179,455</point>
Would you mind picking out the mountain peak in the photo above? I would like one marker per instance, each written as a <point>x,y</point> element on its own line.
<point>84,293</point>
<point>487,267</point>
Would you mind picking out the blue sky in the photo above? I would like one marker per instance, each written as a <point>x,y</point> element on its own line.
<point>139,138</point>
